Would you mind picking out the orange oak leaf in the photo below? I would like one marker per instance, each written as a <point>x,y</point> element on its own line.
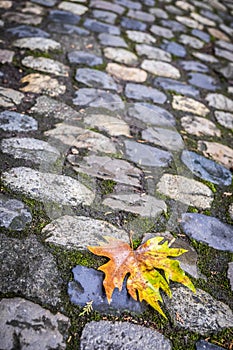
<point>144,280</point>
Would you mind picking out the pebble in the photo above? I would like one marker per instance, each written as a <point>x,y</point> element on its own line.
<point>35,150</point>
<point>218,34</point>
<point>162,31</point>
<point>141,16</point>
<point>195,66</point>
<point>230,274</point>
<point>107,123</point>
<point>46,106</point>
<point>47,3</point>
<point>201,35</point>
<point>203,81</point>
<point>151,114</point>
<point>105,5</point>
<point>121,72</point>
<point>157,12</point>
<point>95,78</point>
<point>6,4</point>
<point>145,206</point>
<point>140,37</point>
<point>217,151</point>
<point>227,55</point>
<point>227,71</point>
<point>153,52</point>
<point>189,22</point>
<point>120,55</point>
<point>133,24</point>
<point>82,57</point>
<point>113,40</point>
<point>124,335</point>
<point>75,136</point>
<point>78,232</point>
<point>209,230</point>
<point>185,190</point>
<point>206,169</point>
<point>13,121</point>
<point>189,40</point>
<point>98,98</point>
<point>160,68</point>
<point>177,86</point>
<point>203,20</point>
<point>31,268</point>
<point>224,118</point>
<point>14,214</point>
<point>37,43</point>
<point>187,104</point>
<point>200,313</point>
<point>205,57</point>
<point>174,25</point>
<point>100,27</point>
<point>142,92</point>
<point>22,18</point>
<point>61,16</point>
<point>174,48</point>
<point>46,65</point>
<point>40,83</point>
<point>88,285</point>
<point>47,187</point>
<point>145,155</point>
<point>23,31</point>
<point>199,126</point>
<point>6,56</point>
<point>33,326</point>
<point>105,16</point>
<point>166,138</point>
<point>10,97</point>
<point>77,9</point>
<point>107,168</point>
<point>204,345</point>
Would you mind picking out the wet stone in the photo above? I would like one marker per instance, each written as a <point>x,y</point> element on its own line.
<point>126,73</point>
<point>185,190</point>
<point>194,66</point>
<point>6,56</point>
<point>142,92</point>
<point>140,37</point>
<point>78,232</point>
<point>10,97</point>
<point>214,150</point>
<point>200,313</point>
<point>169,139</point>
<point>225,119</point>
<point>187,104</point>
<point>160,68</point>
<point>76,9</point>
<point>121,55</point>
<point>107,168</point>
<point>203,81</point>
<point>64,28</point>
<point>34,273</point>
<point>206,169</point>
<point>220,101</point>
<point>35,150</point>
<point>88,285</point>
<point>46,65</point>
<point>46,106</point>
<point>177,86</point>
<point>153,53</point>
<point>40,83</point>
<point>33,326</point>
<point>121,335</point>
<point>230,274</point>
<point>199,126</point>
<point>36,43</point>
<point>71,135</point>
<point>201,35</point>
<point>105,16</point>
<point>98,98</point>
<point>47,187</point>
<point>95,78</point>
<point>13,121</point>
<point>27,31</point>
<point>111,40</point>
<point>151,114</point>
<point>144,205</point>
<point>174,48</point>
<point>14,215</point>
<point>162,31</point>
<point>100,27</point>
<point>110,124</point>
<point>145,155</point>
<point>204,345</point>
<point>209,230</point>
<point>133,24</point>
<point>82,57</point>
<point>63,17</point>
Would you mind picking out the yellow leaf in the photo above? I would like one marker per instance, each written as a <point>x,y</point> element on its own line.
<point>144,281</point>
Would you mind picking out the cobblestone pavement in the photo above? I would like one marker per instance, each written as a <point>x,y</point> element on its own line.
<point>115,116</point>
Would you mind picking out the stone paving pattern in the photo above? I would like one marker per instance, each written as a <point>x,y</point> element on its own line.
<point>114,116</point>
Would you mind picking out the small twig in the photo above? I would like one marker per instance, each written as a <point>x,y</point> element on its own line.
<point>131,238</point>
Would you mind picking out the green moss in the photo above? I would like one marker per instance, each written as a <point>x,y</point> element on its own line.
<point>192,210</point>
<point>107,186</point>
